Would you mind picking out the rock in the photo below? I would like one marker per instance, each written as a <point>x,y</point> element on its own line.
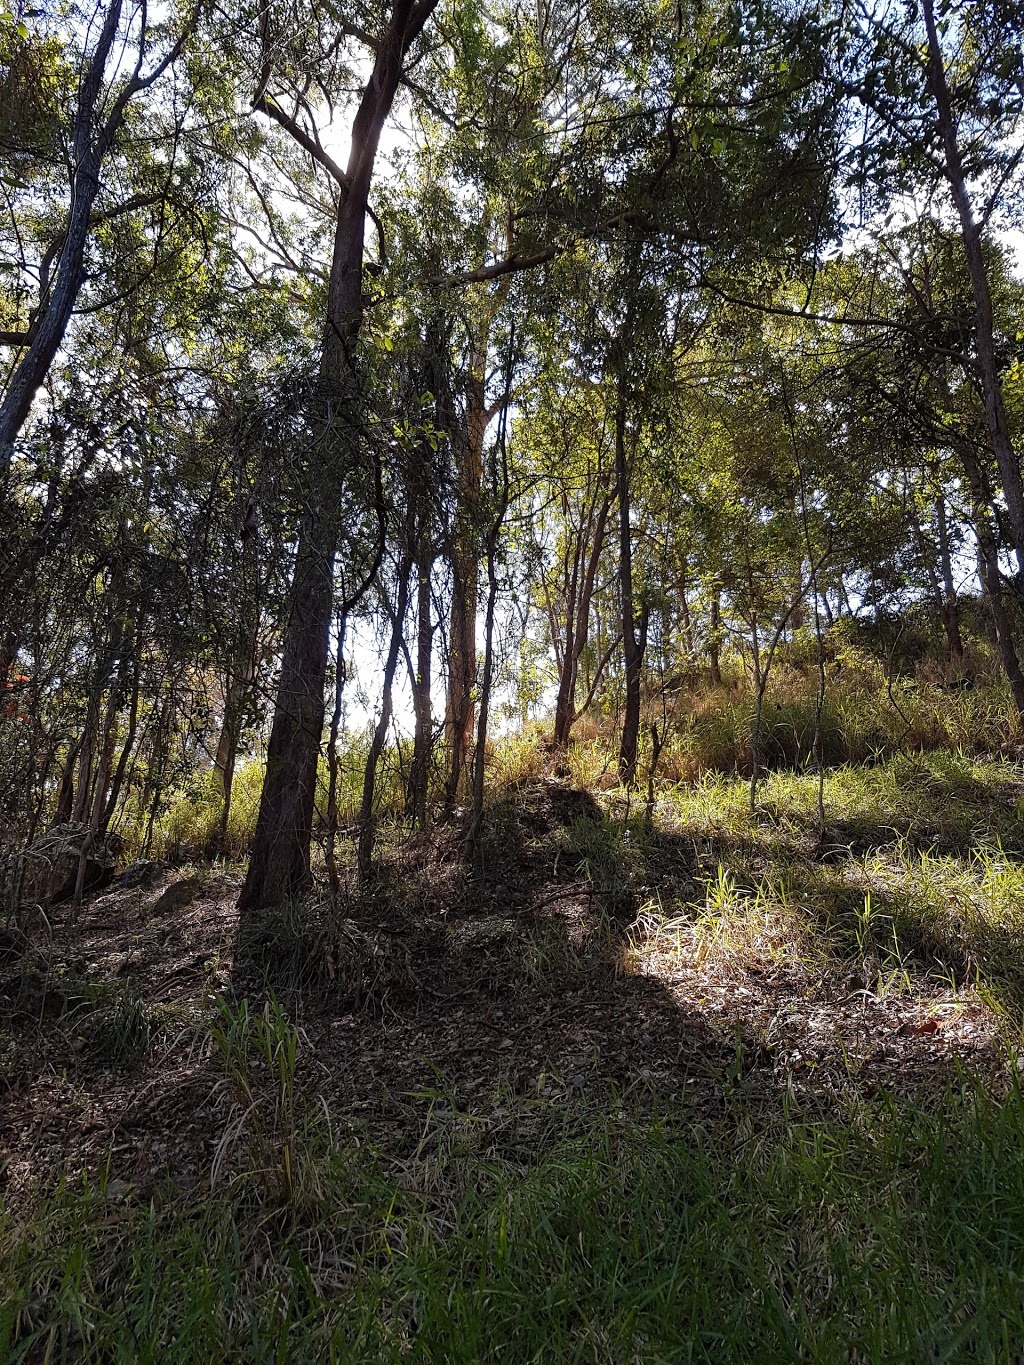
<point>178,896</point>
<point>143,873</point>
<point>48,868</point>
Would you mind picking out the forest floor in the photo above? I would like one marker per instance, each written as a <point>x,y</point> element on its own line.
<point>687,965</point>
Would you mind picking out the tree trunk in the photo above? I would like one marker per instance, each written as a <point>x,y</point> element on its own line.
<point>474,845</point>
<point>715,638</point>
<point>465,559</point>
<point>950,609</point>
<point>279,866</point>
<point>126,752</point>
<point>380,733</point>
<point>992,580</point>
<point>423,737</point>
<point>577,632</point>
<point>633,641</point>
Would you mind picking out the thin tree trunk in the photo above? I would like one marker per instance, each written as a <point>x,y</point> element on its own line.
<point>100,787</point>
<point>474,845</point>
<point>465,560</point>
<point>633,641</point>
<point>992,580</point>
<point>380,734</point>
<point>715,638</point>
<point>127,750</point>
<point>332,759</point>
<point>950,609</point>
<point>66,791</point>
<point>423,737</point>
<point>578,633</point>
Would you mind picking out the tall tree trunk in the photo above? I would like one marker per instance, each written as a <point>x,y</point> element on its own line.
<point>127,748</point>
<point>237,689</point>
<point>474,844</point>
<point>577,631</point>
<point>465,559</point>
<point>279,866</point>
<point>66,791</point>
<point>992,580</point>
<point>423,737</point>
<point>500,496</point>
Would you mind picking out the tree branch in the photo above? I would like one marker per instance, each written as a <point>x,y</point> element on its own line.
<point>267,105</point>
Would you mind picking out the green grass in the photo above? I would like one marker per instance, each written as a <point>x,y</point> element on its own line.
<point>745,1226</point>
<point>885,1234</point>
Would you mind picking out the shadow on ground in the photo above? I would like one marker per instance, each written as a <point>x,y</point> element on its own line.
<point>582,967</point>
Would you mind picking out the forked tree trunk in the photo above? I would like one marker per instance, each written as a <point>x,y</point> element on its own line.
<point>577,626</point>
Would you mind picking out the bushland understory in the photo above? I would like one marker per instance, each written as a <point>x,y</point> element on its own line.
<point>670,1081</point>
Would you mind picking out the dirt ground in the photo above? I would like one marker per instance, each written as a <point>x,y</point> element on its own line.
<point>537,980</point>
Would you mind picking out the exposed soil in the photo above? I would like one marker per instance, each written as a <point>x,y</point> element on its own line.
<point>437,990</point>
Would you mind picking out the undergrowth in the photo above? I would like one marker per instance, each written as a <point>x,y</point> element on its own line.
<point>639,1232</point>
<point>595,1225</point>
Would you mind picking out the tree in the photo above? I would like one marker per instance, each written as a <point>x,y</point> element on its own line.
<point>279,865</point>
<point>103,103</point>
<point>944,91</point>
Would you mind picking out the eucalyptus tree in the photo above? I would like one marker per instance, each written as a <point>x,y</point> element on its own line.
<point>615,142</point>
<point>93,73</point>
<point>570,435</point>
<point>279,864</point>
<point>911,393</point>
<point>942,89</point>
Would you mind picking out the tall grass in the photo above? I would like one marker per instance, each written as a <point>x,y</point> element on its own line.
<point>886,1234</point>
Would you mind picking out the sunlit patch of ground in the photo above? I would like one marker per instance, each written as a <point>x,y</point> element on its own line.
<point>701,952</point>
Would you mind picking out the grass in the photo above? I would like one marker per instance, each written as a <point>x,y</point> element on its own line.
<point>588,1225</point>
<point>884,1233</point>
